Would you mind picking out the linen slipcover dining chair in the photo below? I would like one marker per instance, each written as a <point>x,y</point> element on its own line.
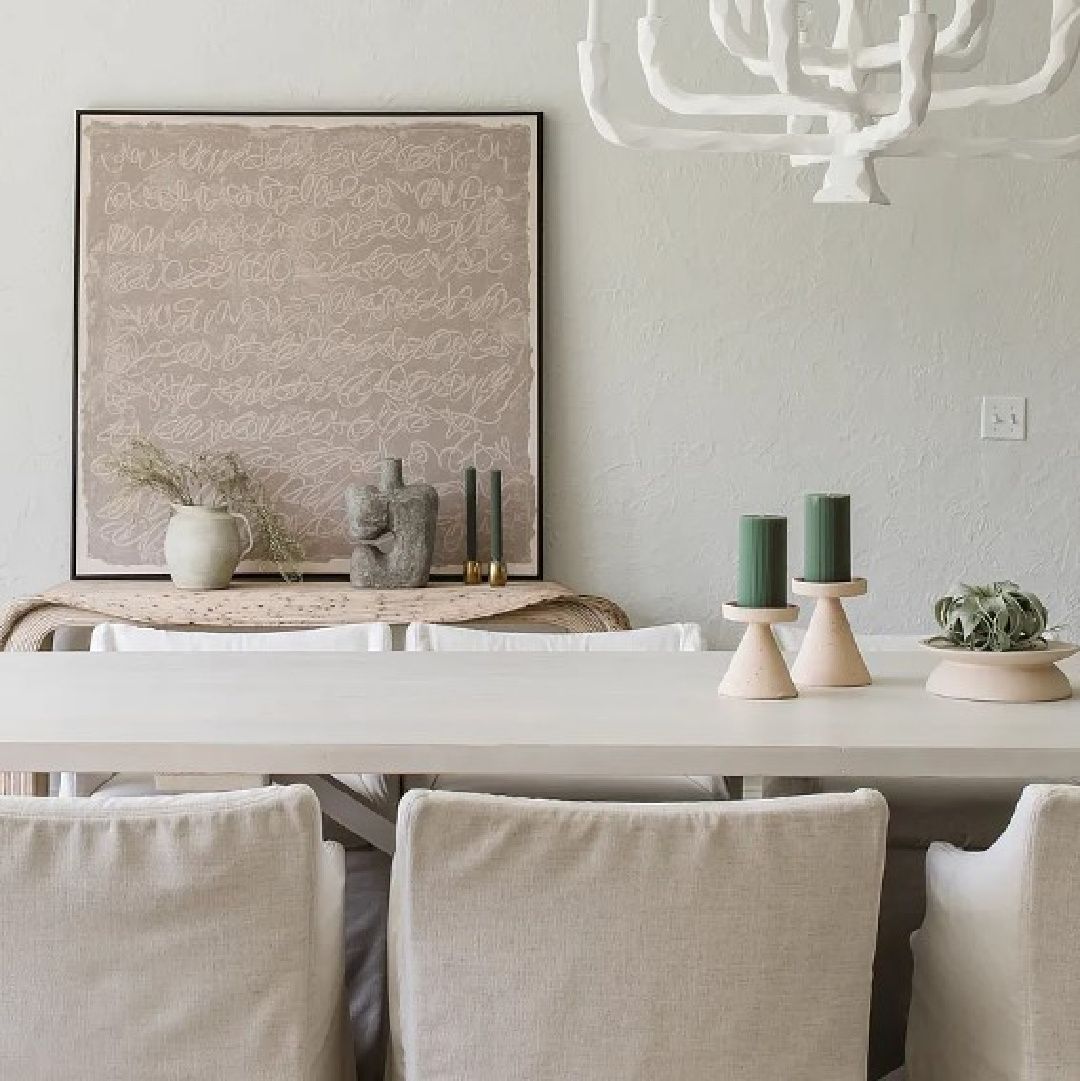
<point>540,939</point>
<point>356,804</point>
<point>996,991</point>
<point>673,638</point>
<point>195,936</point>
<point>968,813</point>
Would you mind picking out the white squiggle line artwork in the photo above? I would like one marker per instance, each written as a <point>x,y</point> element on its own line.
<point>316,293</point>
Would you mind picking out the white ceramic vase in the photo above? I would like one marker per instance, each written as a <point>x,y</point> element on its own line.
<point>203,546</point>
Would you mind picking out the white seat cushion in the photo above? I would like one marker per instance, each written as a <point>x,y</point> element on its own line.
<point>354,638</point>
<point>673,638</point>
<point>177,937</point>
<point>438,637</point>
<point>542,940</point>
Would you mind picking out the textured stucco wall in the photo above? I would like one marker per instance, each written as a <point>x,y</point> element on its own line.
<point>715,343</point>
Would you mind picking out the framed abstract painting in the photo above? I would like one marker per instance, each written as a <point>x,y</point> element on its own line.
<point>315,293</point>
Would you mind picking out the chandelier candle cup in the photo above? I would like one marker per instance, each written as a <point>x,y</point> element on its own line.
<point>827,553</point>
<point>763,578</point>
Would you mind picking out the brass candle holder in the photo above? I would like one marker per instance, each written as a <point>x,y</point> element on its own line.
<point>471,572</point>
<point>758,669</point>
<point>830,656</point>
<point>497,575</point>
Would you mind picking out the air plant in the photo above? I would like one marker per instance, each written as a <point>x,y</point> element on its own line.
<point>213,480</point>
<point>995,618</point>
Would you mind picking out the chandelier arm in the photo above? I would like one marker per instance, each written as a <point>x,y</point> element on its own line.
<point>730,27</point>
<point>1061,60</point>
<point>848,38</point>
<point>685,103</point>
<point>594,67</point>
<point>961,45</point>
<point>1061,56</point>
<point>970,19</point>
<point>918,33</point>
<point>785,61</point>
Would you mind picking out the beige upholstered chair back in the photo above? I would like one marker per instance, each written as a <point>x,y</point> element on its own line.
<point>541,939</point>
<point>174,937</point>
<point>996,992</point>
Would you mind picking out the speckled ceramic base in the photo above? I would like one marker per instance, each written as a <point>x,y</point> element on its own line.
<point>829,656</point>
<point>1029,676</point>
<point>758,669</point>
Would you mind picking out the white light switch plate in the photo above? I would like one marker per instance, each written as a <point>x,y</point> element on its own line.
<point>1004,418</point>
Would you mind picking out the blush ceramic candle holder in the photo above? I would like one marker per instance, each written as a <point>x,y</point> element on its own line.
<point>829,656</point>
<point>758,669</point>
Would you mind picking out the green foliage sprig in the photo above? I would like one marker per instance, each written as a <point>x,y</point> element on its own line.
<point>995,618</point>
<point>213,480</point>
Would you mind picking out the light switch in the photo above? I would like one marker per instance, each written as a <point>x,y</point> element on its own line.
<point>1004,418</point>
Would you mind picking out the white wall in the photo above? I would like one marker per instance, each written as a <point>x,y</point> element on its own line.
<point>715,343</point>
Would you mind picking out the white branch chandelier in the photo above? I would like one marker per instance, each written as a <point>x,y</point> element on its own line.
<point>836,88</point>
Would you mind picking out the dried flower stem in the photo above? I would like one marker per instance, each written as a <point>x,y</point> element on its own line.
<point>213,480</point>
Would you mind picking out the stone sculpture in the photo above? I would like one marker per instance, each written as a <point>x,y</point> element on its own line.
<point>394,523</point>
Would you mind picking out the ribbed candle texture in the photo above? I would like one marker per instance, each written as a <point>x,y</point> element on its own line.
<point>470,514</point>
<point>496,516</point>
<point>763,580</point>
<point>828,538</point>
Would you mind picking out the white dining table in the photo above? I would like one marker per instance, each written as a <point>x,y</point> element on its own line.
<point>599,713</point>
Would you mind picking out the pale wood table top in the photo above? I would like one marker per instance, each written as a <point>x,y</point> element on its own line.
<point>616,714</point>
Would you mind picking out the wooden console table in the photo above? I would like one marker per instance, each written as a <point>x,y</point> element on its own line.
<point>29,624</point>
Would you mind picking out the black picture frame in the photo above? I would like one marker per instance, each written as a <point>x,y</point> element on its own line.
<point>535,117</point>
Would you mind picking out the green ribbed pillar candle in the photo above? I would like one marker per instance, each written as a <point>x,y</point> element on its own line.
<point>763,577</point>
<point>828,538</point>
<point>496,516</point>
<point>470,514</point>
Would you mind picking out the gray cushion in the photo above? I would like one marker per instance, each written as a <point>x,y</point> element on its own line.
<point>367,889</point>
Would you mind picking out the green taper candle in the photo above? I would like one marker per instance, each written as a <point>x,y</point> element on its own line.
<point>828,538</point>
<point>496,516</point>
<point>763,580</point>
<point>470,514</point>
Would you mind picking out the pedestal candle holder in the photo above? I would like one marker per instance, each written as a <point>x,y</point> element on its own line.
<point>471,573</point>
<point>829,656</point>
<point>758,669</point>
